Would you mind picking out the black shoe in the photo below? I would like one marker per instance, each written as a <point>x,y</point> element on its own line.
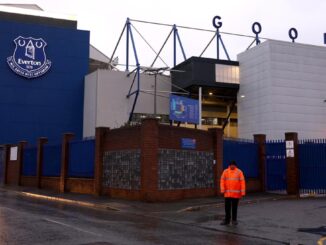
<point>235,222</point>
<point>224,222</point>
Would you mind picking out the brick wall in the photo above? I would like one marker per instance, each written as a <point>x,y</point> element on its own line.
<point>12,173</point>
<point>160,144</point>
<point>145,162</point>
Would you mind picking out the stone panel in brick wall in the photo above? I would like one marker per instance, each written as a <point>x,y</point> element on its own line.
<point>185,169</point>
<point>121,169</point>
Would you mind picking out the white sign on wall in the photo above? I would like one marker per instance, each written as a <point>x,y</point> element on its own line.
<point>289,152</point>
<point>289,144</point>
<point>13,153</point>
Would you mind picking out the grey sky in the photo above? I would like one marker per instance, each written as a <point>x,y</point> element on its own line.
<point>105,20</point>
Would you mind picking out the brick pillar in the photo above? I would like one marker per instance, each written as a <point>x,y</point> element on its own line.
<point>149,158</point>
<point>260,139</point>
<point>7,159</point>
<point>217,135</point>
<point>292,165</point>
<point>64,160</point>
<point>40,142</point>
<point>100,134</point>
<point>20,156</point>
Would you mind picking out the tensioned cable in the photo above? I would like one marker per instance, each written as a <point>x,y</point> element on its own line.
<point>195,28</point>
<point>148,44</point>
<point>116,46</point>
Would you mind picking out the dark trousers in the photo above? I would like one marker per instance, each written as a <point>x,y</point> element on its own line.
<point>231,203</point>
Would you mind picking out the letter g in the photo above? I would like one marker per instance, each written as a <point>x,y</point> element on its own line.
<point>218,24</point>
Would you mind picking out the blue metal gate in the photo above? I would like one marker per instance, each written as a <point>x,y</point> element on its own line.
<point>312,166</point>
<point>2,163</point>
<point>245,153</point>
<point>275,166</point>
<point>30,161</point>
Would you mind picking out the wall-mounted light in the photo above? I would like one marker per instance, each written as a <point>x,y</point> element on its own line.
<point>210,93</point>
<point>242,96</point>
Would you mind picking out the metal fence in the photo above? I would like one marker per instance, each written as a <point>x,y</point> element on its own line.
<point>51,160</point>
<point>276,166</point>
<point>244,152</point>
<point>312,166</point>
<point>30,161</point>
<point>81,159</point>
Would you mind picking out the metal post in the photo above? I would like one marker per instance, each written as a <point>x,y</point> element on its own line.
<point>180,43</point>
<point>225,51</point>
<point>155,90</point>
<point>127,45</point>
<point>200,105</point>
<point>138,75</point>
<point>228,112</point>
<point>174,45</point>
<point>217,44</point>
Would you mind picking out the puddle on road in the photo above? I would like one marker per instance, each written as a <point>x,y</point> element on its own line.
<point>317,230</point>
<point>210,218</point>
<point>97,243</point>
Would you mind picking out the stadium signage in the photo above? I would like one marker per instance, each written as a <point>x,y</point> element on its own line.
<point>29,58</point>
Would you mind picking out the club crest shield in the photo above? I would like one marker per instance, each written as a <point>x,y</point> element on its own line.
<point>29,58</point>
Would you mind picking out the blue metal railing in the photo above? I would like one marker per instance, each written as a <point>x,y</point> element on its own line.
<point>312,166</point>
<point>276,166</point>
<point>51,160</point>
<point>81,159</point>
<point>245,153</point>
<point>30,161</point>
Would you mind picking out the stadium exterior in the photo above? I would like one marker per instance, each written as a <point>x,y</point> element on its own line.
<point>275,87</point>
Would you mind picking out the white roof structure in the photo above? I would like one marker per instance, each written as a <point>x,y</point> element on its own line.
<point>22,6</point>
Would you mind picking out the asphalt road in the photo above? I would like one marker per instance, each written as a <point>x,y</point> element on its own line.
<point>30,221</point>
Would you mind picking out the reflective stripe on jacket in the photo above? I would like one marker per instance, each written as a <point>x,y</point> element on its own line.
<point>233,183</point>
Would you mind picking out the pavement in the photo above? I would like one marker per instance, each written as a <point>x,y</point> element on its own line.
<point>273,218</point>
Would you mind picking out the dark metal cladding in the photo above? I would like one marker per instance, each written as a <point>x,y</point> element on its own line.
<point>29,19</point>
<point>200,72</point>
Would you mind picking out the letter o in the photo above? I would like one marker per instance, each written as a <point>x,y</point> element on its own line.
<point>21,42</point>
<point>38,45</point>
<point>218,24</point>
<point>293,34</point>
<point>254,25</point>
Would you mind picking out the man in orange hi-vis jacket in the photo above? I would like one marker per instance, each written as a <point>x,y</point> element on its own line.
<point>233,186</point>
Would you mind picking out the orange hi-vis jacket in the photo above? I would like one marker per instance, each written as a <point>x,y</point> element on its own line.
<point>233,183</point>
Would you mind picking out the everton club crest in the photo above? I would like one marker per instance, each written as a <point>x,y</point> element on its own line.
<point>29,58</point>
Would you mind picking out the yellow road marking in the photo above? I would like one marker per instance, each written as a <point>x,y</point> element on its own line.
<point>321,240</point>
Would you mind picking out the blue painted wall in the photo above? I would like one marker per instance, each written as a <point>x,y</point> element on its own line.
<point>53,103</point>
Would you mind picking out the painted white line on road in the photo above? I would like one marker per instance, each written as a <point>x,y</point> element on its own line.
<point>72,227</point>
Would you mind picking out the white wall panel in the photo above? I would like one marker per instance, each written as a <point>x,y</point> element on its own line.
<point>284,93</point>
<point>106,104</point>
